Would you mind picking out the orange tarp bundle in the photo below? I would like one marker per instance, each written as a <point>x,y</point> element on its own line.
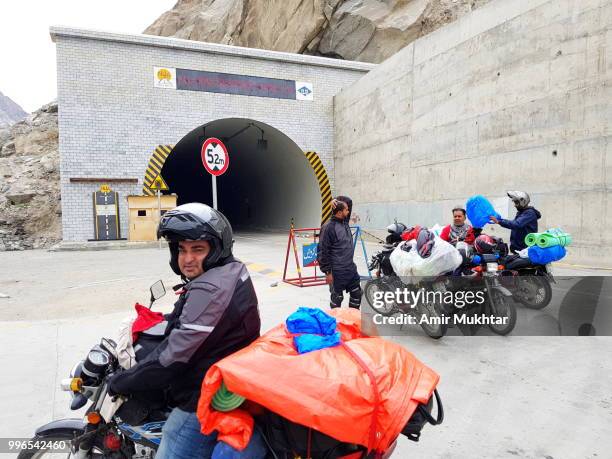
<point>363,391</point>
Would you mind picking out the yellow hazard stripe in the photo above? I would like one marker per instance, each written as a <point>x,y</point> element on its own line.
<point>324,185</point>
<point>156,163</point>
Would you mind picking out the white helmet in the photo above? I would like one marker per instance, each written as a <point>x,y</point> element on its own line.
<point>520,198</point>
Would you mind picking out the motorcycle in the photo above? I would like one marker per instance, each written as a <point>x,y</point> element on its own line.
<point>101,432</point>
<point>385,280</point>
<point>487,277</point>
<point>533,282</point>
<point>120,428</point>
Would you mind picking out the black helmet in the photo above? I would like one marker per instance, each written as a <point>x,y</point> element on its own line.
<point>396,229</point>
<point>197,222</point>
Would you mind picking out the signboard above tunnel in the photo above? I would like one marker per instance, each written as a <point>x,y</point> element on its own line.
<point>227,83</point>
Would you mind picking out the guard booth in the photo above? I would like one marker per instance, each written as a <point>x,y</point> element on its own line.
<point>143,215</point>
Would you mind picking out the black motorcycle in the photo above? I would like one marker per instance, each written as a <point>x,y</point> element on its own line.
<point>532,285</point>
<point>386,280</point>
<point>486,280</point>
<point>127,428</point>
<point>112,426</point>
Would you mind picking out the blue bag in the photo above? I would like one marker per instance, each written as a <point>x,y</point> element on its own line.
<point>541,256</point>
<point>311,320</point>
<point>308,342</point>
<point>478,209</point>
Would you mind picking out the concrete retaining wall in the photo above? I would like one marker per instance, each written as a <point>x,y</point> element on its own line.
<point>514,96</point>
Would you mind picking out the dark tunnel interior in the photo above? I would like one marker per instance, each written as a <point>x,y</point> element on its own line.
<point>267,184</point>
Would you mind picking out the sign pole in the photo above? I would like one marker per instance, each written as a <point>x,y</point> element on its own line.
<point>215,159</point>
<point>214,191</point>
<point>159,213</point>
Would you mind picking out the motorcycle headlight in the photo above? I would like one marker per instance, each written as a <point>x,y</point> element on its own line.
<point>491,267</point>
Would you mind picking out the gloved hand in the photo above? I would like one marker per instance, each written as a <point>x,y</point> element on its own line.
<point>112,385</point>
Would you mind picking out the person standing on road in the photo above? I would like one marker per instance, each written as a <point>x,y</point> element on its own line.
<point>335,255</point>
<point>216,315</point>
<point>525,221</point>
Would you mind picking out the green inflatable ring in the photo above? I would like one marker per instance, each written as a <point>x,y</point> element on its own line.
<point>224,400</point>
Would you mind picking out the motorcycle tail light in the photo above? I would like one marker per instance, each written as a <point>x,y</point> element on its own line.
<point>477,269</point>
<point>112,441</point>
<point>501,267</point>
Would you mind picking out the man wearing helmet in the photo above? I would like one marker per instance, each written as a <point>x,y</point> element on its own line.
<point>525,221</point>
<point>335,255</point>
<point>216,315</point>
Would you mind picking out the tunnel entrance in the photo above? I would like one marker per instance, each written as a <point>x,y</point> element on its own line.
<point>269,181</point>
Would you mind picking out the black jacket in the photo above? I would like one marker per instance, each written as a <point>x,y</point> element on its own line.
<point>335,249</point>
<point>525,222</point>
<point>215,316</point>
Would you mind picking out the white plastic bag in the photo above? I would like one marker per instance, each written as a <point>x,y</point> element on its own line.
<point>444,258</point>
<point>436,229</point>
<point>523,253</point>
<point>125,347</point>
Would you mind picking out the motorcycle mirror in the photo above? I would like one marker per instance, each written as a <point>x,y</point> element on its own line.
<point>157,291</point>
<point>78,402</point>
<point>109,346</point>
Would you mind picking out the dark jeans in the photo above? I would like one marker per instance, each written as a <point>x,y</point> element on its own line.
<point>182,439</point>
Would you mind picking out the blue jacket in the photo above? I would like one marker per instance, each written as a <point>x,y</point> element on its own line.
<point>525,222</point>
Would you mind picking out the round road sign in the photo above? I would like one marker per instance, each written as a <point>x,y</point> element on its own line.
<point>214,156</point>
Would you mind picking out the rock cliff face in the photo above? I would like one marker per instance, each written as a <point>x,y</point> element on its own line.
<point>362,30</point>
<point>30,213</point>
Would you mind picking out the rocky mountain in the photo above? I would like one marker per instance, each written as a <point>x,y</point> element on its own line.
<point>10,112</point>
<point>30,212</point>
<point>362,30</point>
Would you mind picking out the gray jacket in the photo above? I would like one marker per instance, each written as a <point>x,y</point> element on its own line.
<point>215,316</point>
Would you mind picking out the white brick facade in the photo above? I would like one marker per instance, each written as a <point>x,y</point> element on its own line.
<point>111,117</point>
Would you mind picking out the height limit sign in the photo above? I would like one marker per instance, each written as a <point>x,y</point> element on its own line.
<point>216,161</point>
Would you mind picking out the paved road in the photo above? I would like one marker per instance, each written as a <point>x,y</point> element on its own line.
<point>534,397</point>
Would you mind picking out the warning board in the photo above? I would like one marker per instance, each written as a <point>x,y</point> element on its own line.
<point>106,215</point>
<point>215,156</point>
<point>309,254</point>
<point>158,184</point>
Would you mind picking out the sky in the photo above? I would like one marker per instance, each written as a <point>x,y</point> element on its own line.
<point>27,54</point>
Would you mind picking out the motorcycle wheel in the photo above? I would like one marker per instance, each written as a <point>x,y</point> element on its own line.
<point>379,285</point>
<point>501,307</point>
<point>436,330</point>
<point>536,291</point>
<point>97,451</point>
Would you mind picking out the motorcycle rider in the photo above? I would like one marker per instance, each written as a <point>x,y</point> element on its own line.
<point>216,315</point>
<point>459,231</point>
<point>525,221</point>
<point>335,255</point>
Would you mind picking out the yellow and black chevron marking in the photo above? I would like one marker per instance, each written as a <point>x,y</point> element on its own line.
<point>264,270</point>
<point>324,186</point>
<point>158,158</point>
